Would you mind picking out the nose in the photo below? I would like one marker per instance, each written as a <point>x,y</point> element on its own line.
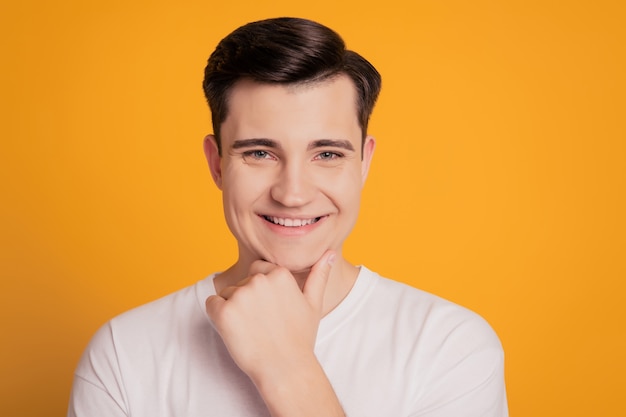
<point>293,186</point>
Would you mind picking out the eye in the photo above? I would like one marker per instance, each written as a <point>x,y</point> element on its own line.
<point>257,154</point>
<point>328,155</point>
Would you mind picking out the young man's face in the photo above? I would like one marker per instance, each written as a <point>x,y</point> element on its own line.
<point>291,169</point>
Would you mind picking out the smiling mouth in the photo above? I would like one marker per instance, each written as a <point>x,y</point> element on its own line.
<point>287,222</point>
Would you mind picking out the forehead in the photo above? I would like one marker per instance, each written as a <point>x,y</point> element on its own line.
<point>306,111</point>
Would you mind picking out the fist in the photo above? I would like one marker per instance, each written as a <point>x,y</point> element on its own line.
<point>267,323</point>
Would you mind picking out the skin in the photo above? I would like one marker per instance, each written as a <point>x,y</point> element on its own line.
<point>291,174</point>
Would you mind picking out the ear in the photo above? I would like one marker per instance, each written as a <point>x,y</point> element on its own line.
<point>214,159</point>
<point>368,153</point>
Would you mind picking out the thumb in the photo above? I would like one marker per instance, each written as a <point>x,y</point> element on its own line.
<point>315,285</point>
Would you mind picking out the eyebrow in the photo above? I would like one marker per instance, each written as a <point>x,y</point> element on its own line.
<point>270,143</point>
<point>250,143</point>
<point>332,143</point>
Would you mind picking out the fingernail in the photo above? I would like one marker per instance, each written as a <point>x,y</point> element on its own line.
<point>331,259</point>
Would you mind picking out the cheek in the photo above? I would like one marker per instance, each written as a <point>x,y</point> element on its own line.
<point>239,183</point>
<point>345,190</point>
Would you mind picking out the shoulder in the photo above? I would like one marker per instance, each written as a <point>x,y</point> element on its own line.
<point>455,355</point>
<point>142,330</point>
<point>165,310</point>
<point>117,366</point>
<point>435,357</point>
<point>429,317</point>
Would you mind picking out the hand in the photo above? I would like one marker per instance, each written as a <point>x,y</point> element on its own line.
<point>267,323</point>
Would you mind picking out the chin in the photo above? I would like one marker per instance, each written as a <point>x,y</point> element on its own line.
<point>296,267</point>
<point>296,262</point>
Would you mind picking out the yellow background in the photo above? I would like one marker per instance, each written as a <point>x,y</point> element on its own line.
<point>498,182</point>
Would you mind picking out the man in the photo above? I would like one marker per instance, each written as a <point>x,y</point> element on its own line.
<point>292,328</point>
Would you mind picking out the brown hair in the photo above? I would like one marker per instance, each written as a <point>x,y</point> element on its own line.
<point>285,51</point>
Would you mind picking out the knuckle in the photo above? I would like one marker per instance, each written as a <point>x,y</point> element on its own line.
<point>257,277</point>
<point>282,275</point>
<point>282,271</point>
<point>256,280</point>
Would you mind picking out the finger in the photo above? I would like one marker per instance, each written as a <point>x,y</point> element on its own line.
<point>228,292</point>
<point>213,305</point>
<point>243,282</point>
<point>261,267</point>
<point>315,285</point>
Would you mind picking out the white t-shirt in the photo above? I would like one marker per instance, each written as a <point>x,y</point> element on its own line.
<point>388,350</point>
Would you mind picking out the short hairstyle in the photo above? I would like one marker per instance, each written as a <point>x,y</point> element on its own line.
<point>285,50</point>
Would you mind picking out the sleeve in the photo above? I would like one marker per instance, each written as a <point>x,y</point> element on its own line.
<point>98,389</point>
<point>467,376</point>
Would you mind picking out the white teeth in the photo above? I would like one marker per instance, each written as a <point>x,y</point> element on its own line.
<point>291,222</point>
